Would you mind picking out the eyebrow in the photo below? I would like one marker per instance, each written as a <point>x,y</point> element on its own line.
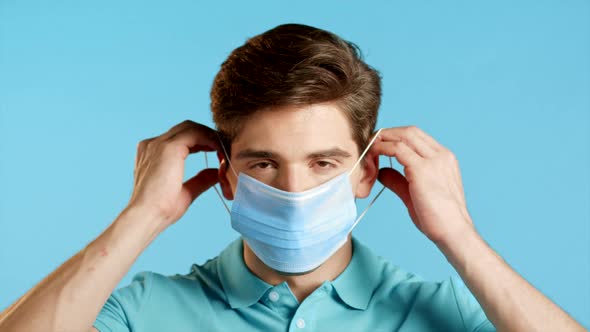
<point>262,154</point>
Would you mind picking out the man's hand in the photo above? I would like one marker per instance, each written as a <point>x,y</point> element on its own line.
<point>83,284</point>
<point>159,171</point>
<point>433,193</point>
<point>431,188</point>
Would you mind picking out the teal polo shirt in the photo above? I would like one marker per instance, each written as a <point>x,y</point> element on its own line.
<point>223,295</point>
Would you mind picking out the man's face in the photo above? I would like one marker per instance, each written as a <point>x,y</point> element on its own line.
<point>297,148</point>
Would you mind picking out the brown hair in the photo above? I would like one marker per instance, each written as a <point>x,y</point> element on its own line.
<point>294,64</point>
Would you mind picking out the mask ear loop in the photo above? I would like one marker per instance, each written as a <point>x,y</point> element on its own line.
<point>226,155</point>
<point>232,168</point>
<point>356,164</point>
<point>372,201</point>
<point>366,150</point>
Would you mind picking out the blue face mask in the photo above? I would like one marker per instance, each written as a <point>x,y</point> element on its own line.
<point>295,232</point>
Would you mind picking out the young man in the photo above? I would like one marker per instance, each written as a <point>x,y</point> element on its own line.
<point>295,109</point>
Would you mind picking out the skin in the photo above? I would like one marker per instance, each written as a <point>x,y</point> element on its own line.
<point>264,149</point>
<point>430,186</point>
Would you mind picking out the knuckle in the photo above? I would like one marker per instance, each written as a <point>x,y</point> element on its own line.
<point>449,155</point>
<point>411,172</point>
<point>411,129</point>
<point>193,130</point>
<point>179,125</point>
<point>416,130</point>
<point>188,123</point>
<point>144,144</point>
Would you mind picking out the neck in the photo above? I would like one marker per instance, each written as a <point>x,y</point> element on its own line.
<point>305,284</point>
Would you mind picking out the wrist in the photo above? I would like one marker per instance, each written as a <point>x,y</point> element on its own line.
<point>459,240</point>
<point>142,220</point>
<point>464,249</point>
<point>147,215</point>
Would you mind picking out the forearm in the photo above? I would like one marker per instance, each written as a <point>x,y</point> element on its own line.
<point>70,298</point>
<point>509,301</point>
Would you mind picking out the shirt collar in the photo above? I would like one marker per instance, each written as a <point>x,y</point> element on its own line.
<point>355,285</point>
<point>241,286</point>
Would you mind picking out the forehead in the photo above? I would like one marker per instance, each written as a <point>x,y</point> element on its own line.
<point>294,131</point>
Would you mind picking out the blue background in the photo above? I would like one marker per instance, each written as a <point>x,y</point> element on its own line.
<point>503,84</point>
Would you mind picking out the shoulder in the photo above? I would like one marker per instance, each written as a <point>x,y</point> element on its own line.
<point>149,294</point>
<point>202,281</point>
<point>446,302</point>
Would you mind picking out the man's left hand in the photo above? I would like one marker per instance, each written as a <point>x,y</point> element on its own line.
<point>431,188</point>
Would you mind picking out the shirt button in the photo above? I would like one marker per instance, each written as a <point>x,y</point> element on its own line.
<point>300,323</point>
<point>273,296</point>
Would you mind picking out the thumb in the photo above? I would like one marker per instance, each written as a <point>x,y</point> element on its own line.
<point>395,181</point>
<point>199,183</point>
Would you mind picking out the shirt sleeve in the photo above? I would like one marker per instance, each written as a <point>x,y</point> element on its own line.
<point>474,318</point>
<point>121,311</point>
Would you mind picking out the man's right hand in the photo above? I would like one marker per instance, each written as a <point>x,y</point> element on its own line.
<point>71,297</point>
<point>159,171</point>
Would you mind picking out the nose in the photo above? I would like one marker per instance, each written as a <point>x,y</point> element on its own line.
<point>292,179</point>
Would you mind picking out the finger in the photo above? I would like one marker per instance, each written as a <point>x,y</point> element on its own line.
<point>412,138</point>
<point>198,148</point>
<point>196,138</point>
<point>198,184</point>
<point>397,183</point>
<point>417,137</point>
<point>429,140</point>
<point>398,149</point>
<point>177,128</point>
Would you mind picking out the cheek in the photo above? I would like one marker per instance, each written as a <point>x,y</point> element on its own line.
<point>230,184</point>
<point>233,183</point>
<point>355,180</point>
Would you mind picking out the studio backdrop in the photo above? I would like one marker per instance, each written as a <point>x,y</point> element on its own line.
<point>504,84</point>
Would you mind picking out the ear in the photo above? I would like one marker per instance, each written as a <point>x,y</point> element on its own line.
<point>369,172</point>
<point>224,182</point>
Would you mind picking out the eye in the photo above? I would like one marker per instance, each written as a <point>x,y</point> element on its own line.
<point>263,165</point>
<point>325,164</point>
